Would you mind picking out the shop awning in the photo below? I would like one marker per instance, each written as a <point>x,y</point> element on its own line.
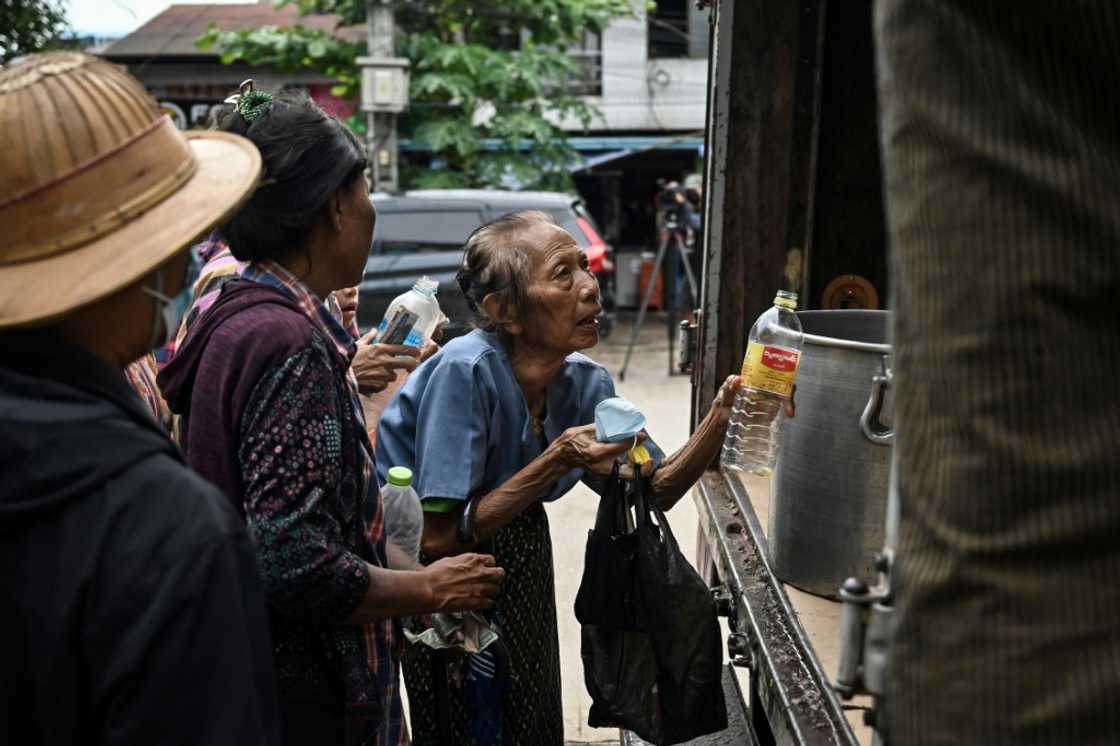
<point>601,149</point>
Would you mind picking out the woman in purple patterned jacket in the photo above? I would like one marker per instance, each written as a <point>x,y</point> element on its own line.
<point>271,414</point>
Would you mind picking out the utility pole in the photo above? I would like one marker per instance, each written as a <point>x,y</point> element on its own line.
<point>384,94</point>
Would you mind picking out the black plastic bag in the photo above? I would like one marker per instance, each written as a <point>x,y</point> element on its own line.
<point>653,662</point>
<point>604,597</point>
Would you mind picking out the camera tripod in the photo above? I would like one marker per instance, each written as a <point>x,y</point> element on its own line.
<point>672,238</point>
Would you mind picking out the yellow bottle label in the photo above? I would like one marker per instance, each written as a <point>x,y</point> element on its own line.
<point>770,368</point>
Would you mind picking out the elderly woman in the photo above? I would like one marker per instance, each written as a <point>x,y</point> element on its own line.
<point>503,417</point>
<point>270,413</point>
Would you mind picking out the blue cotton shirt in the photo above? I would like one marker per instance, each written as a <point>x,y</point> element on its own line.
<point>461,423</point>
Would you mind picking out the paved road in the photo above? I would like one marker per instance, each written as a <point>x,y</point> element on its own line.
<point>665,402</point>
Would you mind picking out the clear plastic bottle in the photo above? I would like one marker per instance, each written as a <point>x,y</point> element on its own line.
<point>769,370</point>
<point>404,518</point>
<point>412,317</point>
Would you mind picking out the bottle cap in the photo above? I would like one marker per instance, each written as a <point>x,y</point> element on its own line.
<point>400,476</point>
<point>426,285</point>
<point>786,299</point>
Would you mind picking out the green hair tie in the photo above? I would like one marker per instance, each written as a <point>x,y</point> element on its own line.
<point>252,104</point>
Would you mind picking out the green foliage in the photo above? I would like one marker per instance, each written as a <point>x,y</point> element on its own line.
<point>482,70</point>
<point>546,21</point>
<point>28,26</point>
<point>290,49</point>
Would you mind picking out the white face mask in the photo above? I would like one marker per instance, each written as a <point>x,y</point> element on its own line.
<point>170,311</point>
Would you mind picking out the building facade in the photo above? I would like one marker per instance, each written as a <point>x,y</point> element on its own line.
<point>651,70</point>
<point>647,75</point>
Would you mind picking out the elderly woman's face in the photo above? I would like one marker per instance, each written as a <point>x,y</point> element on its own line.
<point>563,295</point>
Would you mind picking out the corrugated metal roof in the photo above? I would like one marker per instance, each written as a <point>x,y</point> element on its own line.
<point>174,31</point>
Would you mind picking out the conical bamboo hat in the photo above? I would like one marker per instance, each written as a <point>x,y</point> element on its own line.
<point>96,187</point>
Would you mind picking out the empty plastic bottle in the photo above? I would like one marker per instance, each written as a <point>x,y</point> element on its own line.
<point>412,317</point>
<point>404,517</point>
<point>769,370</point>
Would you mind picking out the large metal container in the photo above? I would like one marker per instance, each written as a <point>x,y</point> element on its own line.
<point>829,490</point>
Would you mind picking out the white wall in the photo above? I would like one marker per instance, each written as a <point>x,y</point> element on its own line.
<point>644,94</point>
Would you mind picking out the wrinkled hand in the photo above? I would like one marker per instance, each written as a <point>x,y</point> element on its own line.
<point>725,398</point>
<point>464,582</point>
<point>577,448</point>
<point>626,471</point>
<point>376,365</point>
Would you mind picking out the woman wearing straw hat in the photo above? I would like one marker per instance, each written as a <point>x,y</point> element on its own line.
<point>131,609</point>
<point>271,413</point>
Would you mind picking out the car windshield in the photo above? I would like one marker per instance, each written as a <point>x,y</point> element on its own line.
<point>430,230</point>
<point>424,230</point>
<point>566,217</point>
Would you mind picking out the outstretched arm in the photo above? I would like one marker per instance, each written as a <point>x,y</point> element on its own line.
<point>575,448</point>
<point>685,467</point>
<point>682,469</point>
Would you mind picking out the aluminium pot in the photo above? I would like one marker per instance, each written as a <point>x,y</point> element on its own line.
<point>829,489</point>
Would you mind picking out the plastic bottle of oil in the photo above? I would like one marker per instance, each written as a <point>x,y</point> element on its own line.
<point>769,370</point>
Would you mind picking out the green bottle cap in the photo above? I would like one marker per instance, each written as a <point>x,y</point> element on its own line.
<point>400,476</point>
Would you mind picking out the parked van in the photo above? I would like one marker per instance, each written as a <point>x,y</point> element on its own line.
<point>422,233</point>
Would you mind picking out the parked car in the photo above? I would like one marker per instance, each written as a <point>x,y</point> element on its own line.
<point>422,233</point>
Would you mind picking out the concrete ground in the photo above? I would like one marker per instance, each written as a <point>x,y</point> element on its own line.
<point>665,402</point>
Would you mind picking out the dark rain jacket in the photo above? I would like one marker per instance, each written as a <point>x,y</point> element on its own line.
<point>131,608</point>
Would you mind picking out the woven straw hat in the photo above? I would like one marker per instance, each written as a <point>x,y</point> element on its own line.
<point>96,187</point>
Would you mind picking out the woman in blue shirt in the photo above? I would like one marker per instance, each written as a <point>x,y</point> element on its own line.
<point>504,418</point>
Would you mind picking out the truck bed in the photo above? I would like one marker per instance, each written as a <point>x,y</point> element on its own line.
<point>820,617</point>
<point>787,640</point>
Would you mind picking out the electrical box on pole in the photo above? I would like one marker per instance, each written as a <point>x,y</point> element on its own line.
<point>384,94</point>
<point>384,84</point>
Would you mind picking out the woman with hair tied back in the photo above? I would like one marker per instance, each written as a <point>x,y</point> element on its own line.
<point>495,426</point>
<point>270,413</point>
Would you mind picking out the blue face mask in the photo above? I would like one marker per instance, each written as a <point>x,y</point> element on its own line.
<point>617,420</point>
<point>170,311</point>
